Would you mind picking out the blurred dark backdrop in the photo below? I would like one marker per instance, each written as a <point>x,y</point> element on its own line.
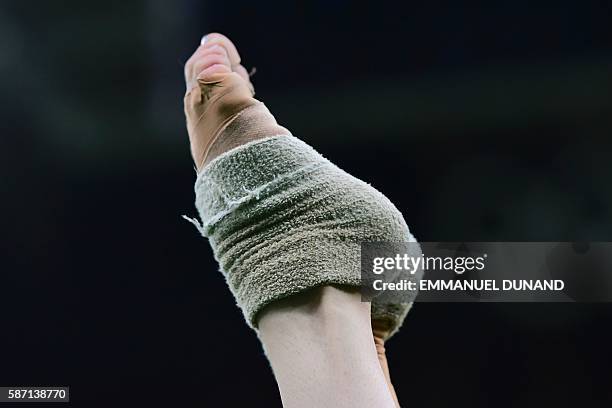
<point>481,121</point>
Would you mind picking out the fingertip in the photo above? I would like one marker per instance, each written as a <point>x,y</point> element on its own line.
<point>211,39</point>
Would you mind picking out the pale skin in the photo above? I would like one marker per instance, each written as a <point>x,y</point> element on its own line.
<point>324,348</point>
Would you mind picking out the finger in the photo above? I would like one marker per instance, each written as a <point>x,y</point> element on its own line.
<point>210,72</point>
<point>196,60</point>
<point>198,66</point>
<point>212,56</point>
<point>214,39</point>
<point>219,39</point>
<point>215,49</point>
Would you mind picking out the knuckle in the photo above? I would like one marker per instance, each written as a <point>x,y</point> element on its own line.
<point>207,62</point>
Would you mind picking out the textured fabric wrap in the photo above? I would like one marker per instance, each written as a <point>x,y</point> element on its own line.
<point>282,219</point>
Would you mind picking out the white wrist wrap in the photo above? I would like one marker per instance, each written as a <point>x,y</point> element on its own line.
<point>282,219</point>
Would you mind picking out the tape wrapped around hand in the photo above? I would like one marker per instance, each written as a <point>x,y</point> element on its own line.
<point>282,219</point>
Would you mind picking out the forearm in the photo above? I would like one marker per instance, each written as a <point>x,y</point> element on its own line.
<point>321,349</point>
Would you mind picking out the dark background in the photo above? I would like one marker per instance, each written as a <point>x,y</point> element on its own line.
<point>481,121</point>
